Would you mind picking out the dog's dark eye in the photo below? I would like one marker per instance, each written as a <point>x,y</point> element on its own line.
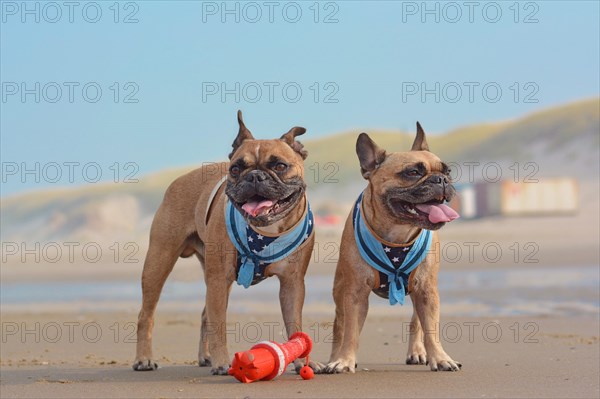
<point>235,170</point>
<point>413,173</point>
<point>280,167</point>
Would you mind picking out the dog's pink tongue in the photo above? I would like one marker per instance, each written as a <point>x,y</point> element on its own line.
<point>255,208</point>
<point>438,213</point>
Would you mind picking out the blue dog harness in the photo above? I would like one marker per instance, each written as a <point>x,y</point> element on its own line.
<point>394,263</point>
<point>256,251</point>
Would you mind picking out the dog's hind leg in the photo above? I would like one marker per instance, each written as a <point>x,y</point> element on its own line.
<point>163,251</point>
<point>203,352</point>
<point>157,267</point>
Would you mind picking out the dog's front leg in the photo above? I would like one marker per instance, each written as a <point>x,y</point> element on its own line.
<point>416,349</point>
<point>427,303</point>
<point>354,303</point>
<point>291,299</point>
<point>217,293</point>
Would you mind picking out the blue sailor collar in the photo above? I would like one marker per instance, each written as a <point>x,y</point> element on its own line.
<point>381,256</point>
<point>257,250</point>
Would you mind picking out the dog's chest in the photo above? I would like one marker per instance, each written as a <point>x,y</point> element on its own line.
<point>257,243</point>
<point>268,254</point>
<point>396,255</point>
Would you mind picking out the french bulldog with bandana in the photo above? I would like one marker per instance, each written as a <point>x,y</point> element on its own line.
<point>245,220</point>
<point>390,246</point>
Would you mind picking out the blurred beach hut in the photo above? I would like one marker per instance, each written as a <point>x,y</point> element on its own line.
<point>508,198</point>
<point>544,197</point>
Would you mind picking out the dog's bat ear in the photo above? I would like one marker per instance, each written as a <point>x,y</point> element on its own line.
<point>291,135</point>
<point>420,143</point>
<point>369,155</point>
<point>243,134</point>
<point>290,139</point>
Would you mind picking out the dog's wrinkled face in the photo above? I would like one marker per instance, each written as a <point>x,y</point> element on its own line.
<point>421,186</point>
<point>411,186</point>
<point>266,177</point>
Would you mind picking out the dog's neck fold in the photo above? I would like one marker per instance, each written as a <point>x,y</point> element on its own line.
<point>385,227</point>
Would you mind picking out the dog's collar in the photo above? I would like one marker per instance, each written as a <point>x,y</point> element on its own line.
<point>256,250</point>
<point>375,252</point>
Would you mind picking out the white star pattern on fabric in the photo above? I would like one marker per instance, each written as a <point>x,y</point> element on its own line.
<point>260,246</point>
<point>387,249</point>
<point>406,249</point>
<point>396,259</point>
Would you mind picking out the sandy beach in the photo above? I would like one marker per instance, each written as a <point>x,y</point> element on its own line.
<point>525,325</point>
<point>502,357</point>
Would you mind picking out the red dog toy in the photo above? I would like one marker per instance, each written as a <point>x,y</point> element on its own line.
<point>267,360</point>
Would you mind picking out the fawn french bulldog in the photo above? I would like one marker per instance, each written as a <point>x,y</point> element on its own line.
<point>388,247</point>
<point>249,221</point>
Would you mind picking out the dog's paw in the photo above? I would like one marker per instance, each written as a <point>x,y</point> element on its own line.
<point>416,353</point>
<point>317,367</point>
<point>339,366</point>
<point>415,358</point>
<point>204,362</point>
<point>443,363</point>
<point>221,370</point>
<point>145,365</point>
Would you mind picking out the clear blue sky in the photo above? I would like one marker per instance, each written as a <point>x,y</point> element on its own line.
<point>369,61</point>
